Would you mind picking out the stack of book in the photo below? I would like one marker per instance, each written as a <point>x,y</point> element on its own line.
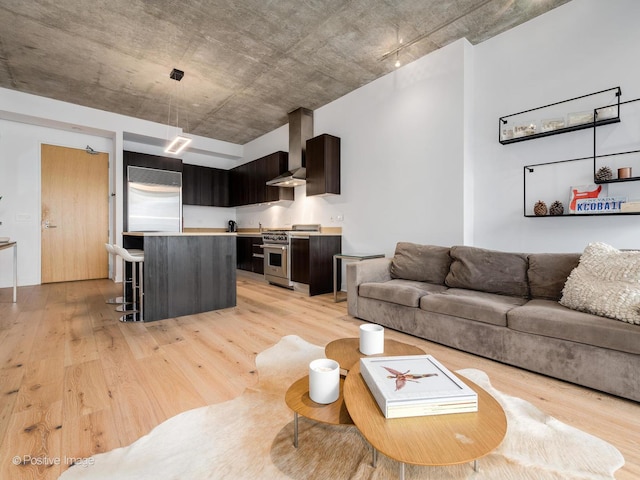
<point>629,207</point>
<point>416,385</point>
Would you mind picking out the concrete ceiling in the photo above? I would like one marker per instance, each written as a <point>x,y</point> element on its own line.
<point>247,63</point>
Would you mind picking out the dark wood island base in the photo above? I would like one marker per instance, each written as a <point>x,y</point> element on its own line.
<point>186,273</point>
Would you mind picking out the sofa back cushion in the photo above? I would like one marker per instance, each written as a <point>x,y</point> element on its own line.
<point>548,273</point>
<point>490,271</point>
<point>423,263</point>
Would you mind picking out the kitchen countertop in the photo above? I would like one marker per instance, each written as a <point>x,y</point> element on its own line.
<point>177,234</point>
<point>324,232</point>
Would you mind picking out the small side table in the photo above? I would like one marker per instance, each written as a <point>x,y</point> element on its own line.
<point>298,400</point>
<point>352,257</point>
<point>15,266</point>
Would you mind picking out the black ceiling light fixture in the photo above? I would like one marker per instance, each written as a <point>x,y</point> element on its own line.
<point>180,142</point>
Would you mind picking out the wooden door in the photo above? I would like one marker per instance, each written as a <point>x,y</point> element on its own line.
<point>75,214</point>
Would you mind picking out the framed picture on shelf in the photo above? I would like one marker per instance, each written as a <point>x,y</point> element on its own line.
<point>506,133</point>
<point>551,124</point>
<point>524,129</point>
<point>580,118</point>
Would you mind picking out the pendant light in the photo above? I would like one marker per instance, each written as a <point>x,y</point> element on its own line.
<point>180,142</point>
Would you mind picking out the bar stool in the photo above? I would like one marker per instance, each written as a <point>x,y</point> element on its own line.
<point>137,287</point>
<point>123,305</point>
<point>116,300</point>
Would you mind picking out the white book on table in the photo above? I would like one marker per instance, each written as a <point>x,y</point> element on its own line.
<point>416,385</point>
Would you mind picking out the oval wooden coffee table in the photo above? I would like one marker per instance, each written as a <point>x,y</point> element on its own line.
<point>435,440</point>
<point>298,400</point>
<point>346,351</point>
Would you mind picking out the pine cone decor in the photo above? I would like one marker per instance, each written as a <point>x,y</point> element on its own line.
<point>603,174</point>
<point>540,208</point>
<point>556,208</point>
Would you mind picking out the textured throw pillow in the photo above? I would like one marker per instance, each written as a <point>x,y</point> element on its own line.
<point>606,282</point>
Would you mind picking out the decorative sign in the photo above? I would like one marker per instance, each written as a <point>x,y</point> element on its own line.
<point>583,192</point>
<point>600,205</point>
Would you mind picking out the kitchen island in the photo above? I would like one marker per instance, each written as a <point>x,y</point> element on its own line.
<point>185,273</point>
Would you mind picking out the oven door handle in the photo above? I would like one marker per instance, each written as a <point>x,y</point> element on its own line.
<point>275,247</point>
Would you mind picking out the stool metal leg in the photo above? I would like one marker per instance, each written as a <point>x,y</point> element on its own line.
<point>141,291</point>
<point>130,308</point>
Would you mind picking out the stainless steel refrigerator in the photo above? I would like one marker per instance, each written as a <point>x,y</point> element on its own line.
<point>154,200</point>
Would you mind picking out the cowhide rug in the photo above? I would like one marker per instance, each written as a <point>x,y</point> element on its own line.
<point>251,437</point>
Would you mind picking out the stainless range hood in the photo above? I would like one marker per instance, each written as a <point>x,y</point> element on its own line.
<point>300,130</point>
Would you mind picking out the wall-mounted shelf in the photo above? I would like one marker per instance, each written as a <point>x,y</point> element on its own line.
<point>586,111</point>
<point>618,148</point>
<point>552,181</point>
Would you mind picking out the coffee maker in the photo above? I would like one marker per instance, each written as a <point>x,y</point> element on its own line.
<point>233,226</point>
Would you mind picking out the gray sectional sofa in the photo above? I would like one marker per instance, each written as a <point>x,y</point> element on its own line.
<point>498,305</point>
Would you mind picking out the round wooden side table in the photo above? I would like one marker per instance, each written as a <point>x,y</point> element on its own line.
<point>298,400</point>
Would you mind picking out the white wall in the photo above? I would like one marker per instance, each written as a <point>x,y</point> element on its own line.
<point>581,47</point>
<point>20,188</point>
<point>402,159</point>
<point>420,156</point>
<point>27,121</point>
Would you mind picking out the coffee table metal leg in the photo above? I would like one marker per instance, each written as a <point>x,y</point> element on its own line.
<point>295,429</point>
<point>476,468</point>
<point>401,471</point>
<point>374,461</point>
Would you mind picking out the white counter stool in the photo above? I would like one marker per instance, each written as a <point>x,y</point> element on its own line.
<point>137,277</point>
<point>123,305</point>
<point>116,300</point>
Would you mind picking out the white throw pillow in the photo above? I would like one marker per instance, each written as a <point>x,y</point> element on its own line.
<point>606,282</point>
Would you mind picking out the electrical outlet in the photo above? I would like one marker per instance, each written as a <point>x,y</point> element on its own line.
<point>340,218</point>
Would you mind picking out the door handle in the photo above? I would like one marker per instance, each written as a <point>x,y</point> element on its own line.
<point>48,225</point>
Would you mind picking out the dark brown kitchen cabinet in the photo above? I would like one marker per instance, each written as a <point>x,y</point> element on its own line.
<point>220,182</point>
<point>300,260</point>
<point>150,161</point>
<point>248,181</point>
<point>243,255</point>
<point>323,165</point>
<point>247,249</point>
<point>205,186</point>
<point>312,261</point>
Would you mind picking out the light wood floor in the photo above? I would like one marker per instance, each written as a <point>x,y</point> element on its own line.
<point>75,381</point>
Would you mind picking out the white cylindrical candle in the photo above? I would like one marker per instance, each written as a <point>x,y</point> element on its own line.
<point>324,380</point>
<point>371,339</point>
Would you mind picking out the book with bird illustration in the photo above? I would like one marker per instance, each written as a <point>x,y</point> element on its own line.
<point>416,385</point>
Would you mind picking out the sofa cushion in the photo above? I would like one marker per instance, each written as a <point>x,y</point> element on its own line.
<point>490,271</point>
<point>550,319</point>
<point>548,273</point>
<point>423,263</point>
<point>402,292</point>
<point>606,282</point>
<point>472,305</point>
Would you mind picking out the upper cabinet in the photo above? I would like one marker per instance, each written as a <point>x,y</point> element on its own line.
<point>205,186</point>
<point>323,165</point>
<point>248,182</point>
<point>150,161</point>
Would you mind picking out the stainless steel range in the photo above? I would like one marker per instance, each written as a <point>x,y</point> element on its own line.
<point>277,253</point>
